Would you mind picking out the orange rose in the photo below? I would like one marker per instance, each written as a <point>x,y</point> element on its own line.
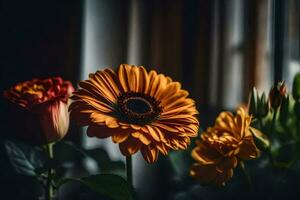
<point>222,146</point>
<point>39,109</point>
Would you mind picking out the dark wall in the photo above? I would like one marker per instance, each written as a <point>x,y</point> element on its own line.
<point>38,39</point>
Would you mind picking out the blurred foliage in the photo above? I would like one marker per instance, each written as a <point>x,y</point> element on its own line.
<point>280,122</point>
<point>22,162</point>
<point>275,174</point>
<point>110,185</point>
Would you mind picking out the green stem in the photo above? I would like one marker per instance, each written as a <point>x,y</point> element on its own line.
<point>129,170</point>
<point>260,123</point>
<point>298,129</point>
<point>274,121</point>
<point>246,174</point>
<point>273,125</point>
<point>50,190</point>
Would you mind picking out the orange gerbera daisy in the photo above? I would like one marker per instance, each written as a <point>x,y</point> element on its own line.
<point>223,146</point>
<point>139,110</point>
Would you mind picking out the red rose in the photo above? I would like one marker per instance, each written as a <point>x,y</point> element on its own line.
<point>39,109</point>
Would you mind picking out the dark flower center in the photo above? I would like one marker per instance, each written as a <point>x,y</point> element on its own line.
<point>138,108</point>
<point>138,105</point>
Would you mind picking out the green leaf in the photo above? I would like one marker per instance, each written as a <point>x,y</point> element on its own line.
<point>18,159</point>
<point>260,139</point>
<point>109,185</point>
<point>296,87</point>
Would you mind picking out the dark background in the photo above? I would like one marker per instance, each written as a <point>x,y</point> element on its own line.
<point>40,39</point>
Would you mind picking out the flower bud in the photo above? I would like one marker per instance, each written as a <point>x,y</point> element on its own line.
<point>296,87</point>
<point>284,110</point>
<point>276,94</point>
<point>258,106</point>
<point>263,106</point>
<point>39,109</point>
<point>252,105</point>
<point>297,109</point>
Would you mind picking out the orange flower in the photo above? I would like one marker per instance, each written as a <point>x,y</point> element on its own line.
<point>139,110</point>
<point>222,147</point>
<point>39,109</point>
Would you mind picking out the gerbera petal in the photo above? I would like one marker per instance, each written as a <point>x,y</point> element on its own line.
<point>149,153</point>
<point>134,78</point>
<point>130,146</point>
<point>123,72</point>
<point>160,133</point>
<point>120,137</point>
<point>170,90</point>
<point>179,119</point>
<point>83,96</point>
<point>143,79</point>
<point>180,95</point>
<point>248,150</point>
<point>143,137</point>
<point>135,126</point>
<point>96,89</point>
<point>152,77</point>
<point>189,108</point>
<point>113,81</point>
<point>111,122</point>
<point>98,107</point>
<point>166,127</point>
<point>162,148</point>
<point>99,131</point>
<point>161,87</point>
<point>155,133</point>
<point>177,143</point>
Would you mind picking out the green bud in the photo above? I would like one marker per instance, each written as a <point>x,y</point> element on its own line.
<point>284,110</point>
<point>297,109</point>
<point>296,87</point>
<point>276,94</point>
<point>253,102</point>
<point>263,106</point>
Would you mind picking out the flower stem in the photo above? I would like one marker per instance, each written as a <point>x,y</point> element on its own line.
<point>246,174</point>
<point>273,126</point>
<point>129,170</point>
<point>298,129</point>
<point>274,121</point>
<point>50,190</point>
